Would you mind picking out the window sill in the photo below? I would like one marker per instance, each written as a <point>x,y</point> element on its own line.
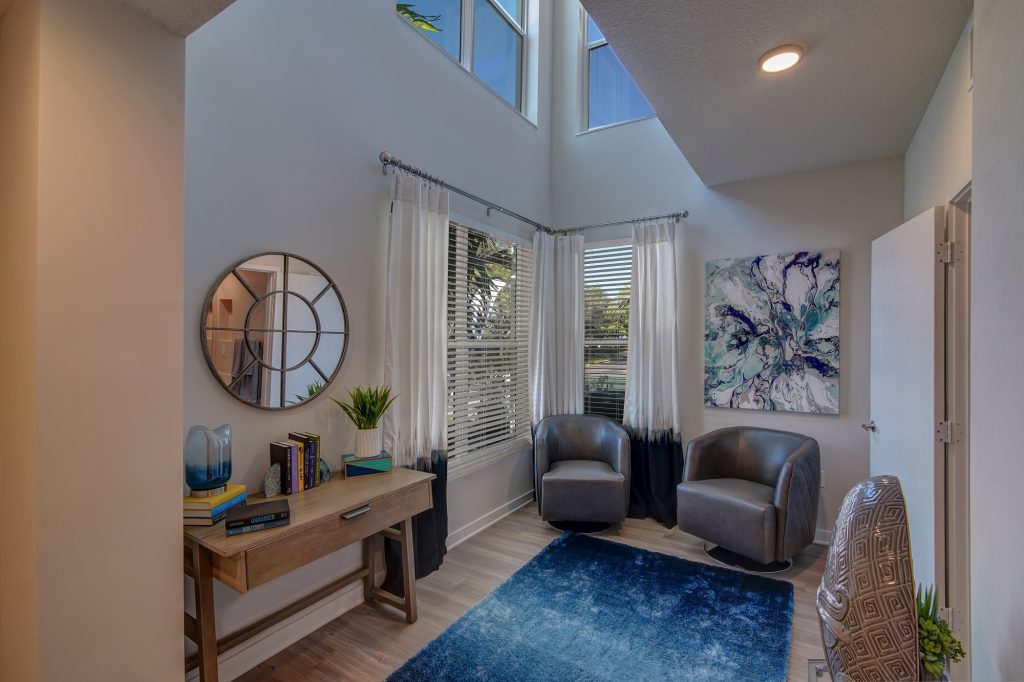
<point>613,125</point>
<point>467,464</point>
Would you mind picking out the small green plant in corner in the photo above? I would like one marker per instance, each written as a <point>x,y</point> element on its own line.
<point>936,640</point>
<point>367,404</point>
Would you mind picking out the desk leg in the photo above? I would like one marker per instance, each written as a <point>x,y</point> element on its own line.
<point>408,571</point>
<point>370,564</point>
<point>205,622</point>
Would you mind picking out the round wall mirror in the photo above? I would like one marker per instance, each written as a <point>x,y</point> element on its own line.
<point>274,330</point>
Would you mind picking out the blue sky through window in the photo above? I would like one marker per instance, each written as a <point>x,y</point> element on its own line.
<point>497,52</point>
<point>593,32</point>
<point>613,97</point>
<point>514,9</point>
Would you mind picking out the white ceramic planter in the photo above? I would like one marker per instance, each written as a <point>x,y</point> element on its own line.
<point>368,442</point>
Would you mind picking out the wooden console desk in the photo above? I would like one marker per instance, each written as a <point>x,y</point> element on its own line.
<point>323,520</point>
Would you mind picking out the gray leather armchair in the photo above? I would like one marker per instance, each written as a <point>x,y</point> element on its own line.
<point>581,468</point>
<point>751,491</point>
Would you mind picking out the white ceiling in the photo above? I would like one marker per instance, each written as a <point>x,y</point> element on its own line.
<point>868,74</point>
<point>180,16</point>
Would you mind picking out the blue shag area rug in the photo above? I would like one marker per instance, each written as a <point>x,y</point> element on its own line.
<point>590,609</point>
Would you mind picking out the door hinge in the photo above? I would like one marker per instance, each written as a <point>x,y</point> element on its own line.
<point>947,432</point>
<point>947,252</point>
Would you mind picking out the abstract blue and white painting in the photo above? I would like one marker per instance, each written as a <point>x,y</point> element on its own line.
<point>771,332</point>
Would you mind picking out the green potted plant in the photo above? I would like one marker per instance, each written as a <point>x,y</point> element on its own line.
<point>936,643</point>
<point>366,407</point>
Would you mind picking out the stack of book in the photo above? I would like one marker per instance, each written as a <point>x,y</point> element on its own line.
<point>355,467</point>
<point>299,459</point>
<point>248,518</point>
<point>206,511</point>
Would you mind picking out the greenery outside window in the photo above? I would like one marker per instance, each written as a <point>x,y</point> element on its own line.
<point>487,37</point>
<point>610,96</point>
<point>489,285</point>
<point>607,273</point>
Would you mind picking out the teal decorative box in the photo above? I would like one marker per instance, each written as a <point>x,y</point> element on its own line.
<point>355,467</point>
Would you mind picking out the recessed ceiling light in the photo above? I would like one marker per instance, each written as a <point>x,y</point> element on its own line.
<point>781,58</point>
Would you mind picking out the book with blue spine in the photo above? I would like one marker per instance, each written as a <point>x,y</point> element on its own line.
<point>204,521</point>
<point>216,511</point>
<point>253,528</point>
<point>259,514</point>
<point>314,441</point>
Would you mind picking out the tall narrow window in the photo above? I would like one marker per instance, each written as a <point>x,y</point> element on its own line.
<point>489,283</point>
<point>606,283</point>
<point>498,37</point>
<point>486,37</point>
<point>611,95</point>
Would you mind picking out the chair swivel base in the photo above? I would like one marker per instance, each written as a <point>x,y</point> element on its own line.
<point>734,560</point>
<point>580,526</point>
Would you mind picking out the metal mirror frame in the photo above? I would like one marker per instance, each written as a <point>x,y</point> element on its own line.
<point>331,286</point>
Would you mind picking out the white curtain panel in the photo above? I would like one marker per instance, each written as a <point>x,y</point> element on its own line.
<point>652,387</point>
<point>556,326</point>
<point>415,331</point>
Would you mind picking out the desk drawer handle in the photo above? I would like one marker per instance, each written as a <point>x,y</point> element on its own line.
<point>356,512</point>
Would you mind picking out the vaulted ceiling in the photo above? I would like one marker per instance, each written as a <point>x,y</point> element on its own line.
<point>869,71</point>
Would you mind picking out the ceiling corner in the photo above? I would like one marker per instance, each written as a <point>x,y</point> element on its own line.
<point>178,16</point>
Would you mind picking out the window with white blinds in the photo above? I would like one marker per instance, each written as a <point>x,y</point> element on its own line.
<point>606,283</point>
<point>489,283</point>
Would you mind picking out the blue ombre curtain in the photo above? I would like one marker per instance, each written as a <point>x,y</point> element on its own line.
<point>651,413</point>
<point>416,359</point>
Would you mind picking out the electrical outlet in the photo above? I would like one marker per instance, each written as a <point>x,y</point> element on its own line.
<point>822,478</point>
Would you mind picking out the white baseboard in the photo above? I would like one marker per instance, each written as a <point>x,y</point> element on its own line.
<point>246,656</point>
<point>459,536</point>
<point>822,536</point>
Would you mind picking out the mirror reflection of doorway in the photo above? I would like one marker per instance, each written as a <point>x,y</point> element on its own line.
<point>233,354</point>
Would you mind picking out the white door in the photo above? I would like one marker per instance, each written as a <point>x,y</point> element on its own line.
<point>907,386</point>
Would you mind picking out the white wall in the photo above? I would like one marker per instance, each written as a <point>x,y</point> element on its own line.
<point>286,112</point>
<point>635,169</point>
<point>19,174</point>
<point>103,435</point>
<point>997,366</point>
<point>938,160</point>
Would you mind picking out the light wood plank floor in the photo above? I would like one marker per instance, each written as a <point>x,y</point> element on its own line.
<point>369,642</point>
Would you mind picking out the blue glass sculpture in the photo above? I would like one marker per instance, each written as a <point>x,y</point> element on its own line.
<point>207,458</point>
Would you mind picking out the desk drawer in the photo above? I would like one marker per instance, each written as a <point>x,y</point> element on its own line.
<point>266,562</point>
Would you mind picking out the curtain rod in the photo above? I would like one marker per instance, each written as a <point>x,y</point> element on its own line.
<point>387,159</point>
